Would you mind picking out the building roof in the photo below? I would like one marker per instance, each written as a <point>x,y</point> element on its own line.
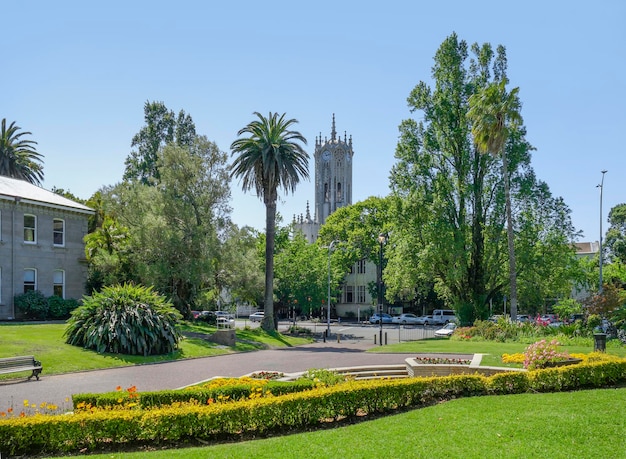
<point>21,191</point>
<point>587,248</point>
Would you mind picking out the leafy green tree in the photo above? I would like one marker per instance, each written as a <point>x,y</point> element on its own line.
<point>173,227</point>
<point>495,113</point>
<point>615,240</point>
<point>162,127</point>
<point>269,158</point>
<point>18,157</point>
<point>127,319</point>
<point>449,220</point>
<point>301,274</point>
<point>241,266</point>
<point>566,307</point>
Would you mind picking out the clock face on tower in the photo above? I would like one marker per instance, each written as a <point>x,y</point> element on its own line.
<point>326,155</point>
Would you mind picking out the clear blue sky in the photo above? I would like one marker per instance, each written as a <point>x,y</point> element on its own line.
<point>77,74</point>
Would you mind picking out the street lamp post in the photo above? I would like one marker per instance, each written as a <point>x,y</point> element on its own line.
<point>330,248</point>
<point>601,186</point>
<point>382,239</point>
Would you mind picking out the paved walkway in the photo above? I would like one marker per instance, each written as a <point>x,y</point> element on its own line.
<point>170,375</point>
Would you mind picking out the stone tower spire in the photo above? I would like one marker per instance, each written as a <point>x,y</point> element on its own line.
<point>333,132</point>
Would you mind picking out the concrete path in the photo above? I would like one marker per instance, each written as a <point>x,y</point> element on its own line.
<point>57,389</point>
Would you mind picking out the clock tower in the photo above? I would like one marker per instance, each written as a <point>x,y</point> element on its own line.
<point>333,182</point>
<point>333,173</point>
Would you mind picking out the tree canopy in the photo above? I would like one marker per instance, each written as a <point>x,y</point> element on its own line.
<point>270,157</point>
<point>18,156</point>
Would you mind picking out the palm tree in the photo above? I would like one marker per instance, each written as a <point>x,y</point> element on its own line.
<point>495,114</point>
<point>269,159</point>
<point>18,157</point>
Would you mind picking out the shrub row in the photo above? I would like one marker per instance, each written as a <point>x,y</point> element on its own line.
<point>202,395</point>
<point>34,305</point>
<point>85,431</point>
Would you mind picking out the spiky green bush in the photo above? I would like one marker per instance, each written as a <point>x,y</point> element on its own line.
<point>125,319</point>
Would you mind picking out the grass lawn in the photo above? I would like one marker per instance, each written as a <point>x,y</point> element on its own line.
<point>582,424</point>
<point>46,343</point>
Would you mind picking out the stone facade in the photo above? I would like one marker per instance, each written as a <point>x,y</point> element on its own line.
<point>41,244</point>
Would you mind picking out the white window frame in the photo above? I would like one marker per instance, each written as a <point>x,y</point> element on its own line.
<point>360,293</point>
<point>34,282</point>
<point>55,283</point>
<point>55,232</point>
<point>349,294</point>
<point>33,229</point>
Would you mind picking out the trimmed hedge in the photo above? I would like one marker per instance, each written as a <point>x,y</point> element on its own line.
<point>175,423</point>
<point>147,400</point>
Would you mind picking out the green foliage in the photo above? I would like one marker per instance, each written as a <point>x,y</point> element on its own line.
<point>301,274</point>
<point>615,241</point>
<point>60,308</point>
<point>18,157</point>
<point>271,157</point>
<point>162,128</point>
<point>128,319</point>
<point>33,304</point>
<point>449,227</point>
<point>566,307</point>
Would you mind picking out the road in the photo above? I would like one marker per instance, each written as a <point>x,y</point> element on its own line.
<point>345,347</point>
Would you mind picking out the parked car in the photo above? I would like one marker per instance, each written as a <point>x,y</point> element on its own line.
<point>427,320</point>
<point>523,318</point>
<point>195,314</point>
<point>375,318</point>
<point>225,322</point>
<point>224,314</point>
<point>446,331</point>
<point>257,316</point>
<point>406,319</point>
<point>443,316</point>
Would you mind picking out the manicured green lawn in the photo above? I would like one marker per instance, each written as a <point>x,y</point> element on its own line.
<point>583,424</point>
<point>46,343</point>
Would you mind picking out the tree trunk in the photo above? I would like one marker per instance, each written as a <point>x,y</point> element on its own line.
<point>268,322</point>
<point>510,235</point>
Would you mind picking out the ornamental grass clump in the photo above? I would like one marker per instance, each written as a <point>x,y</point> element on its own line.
<point>543,354</point>
<point>125,319</point>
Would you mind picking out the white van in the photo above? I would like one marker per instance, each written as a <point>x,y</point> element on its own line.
<point>442,317</point>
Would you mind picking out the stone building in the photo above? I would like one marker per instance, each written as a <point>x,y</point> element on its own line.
<point>41,243</point>
<point>333,189</point>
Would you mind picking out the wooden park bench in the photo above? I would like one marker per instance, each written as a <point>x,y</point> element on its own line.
<point>23,363</point>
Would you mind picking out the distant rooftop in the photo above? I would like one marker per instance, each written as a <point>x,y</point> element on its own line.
<point>21,191</point>
<point>587,248</point>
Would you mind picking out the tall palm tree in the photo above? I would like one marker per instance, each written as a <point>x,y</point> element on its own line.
<point>268,159</point>
<point>18,157</point>
<point>495,114</point>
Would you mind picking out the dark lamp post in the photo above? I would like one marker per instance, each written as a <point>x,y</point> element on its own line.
<point>382,240</point>
<point>601,186</point>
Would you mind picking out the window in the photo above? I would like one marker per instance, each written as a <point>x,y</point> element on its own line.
<point>349,294</point>
<point>360,293</point>
<point>361,266</point>
<point>58,281</point>
<point>30,280</point>
<point>58,231</point>
<point>30,229</point>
